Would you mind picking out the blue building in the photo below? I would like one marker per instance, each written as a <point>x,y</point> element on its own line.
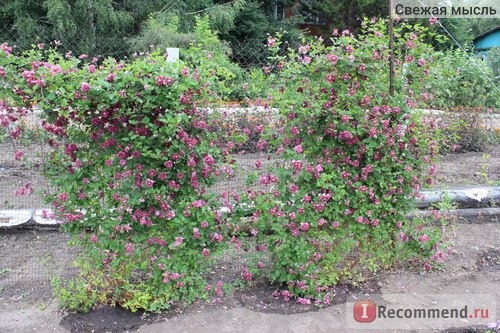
<point>485,41</point>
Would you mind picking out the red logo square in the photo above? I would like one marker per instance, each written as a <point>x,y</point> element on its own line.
<point>365,311</point>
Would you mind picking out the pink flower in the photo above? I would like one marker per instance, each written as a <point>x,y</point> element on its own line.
<point>110,77</point>
<point>204,224</point>
<point>306,60</point>
<point>129,247</point>
<point>63,196</point>
<point>298,149</point>
<point>6,48</point>
<point>303,301</point>
<point>149,183</point>
<point>85,87</point>
<point>196,233</point>
<point>205,252</point>
<point>19,155</point>
<point>332,58</point>
<point>297,165</point>
<point>304,226</point>
<point>209,160</point>
<point>271,42</point>
<point>424,238</point>
<point>247,275</point>
<point>178,241</point>
<point>94,238</point>
<point>219,291</point>
<point>433,20</point>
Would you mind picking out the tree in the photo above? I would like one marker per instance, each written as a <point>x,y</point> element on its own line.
<point>346,14</point>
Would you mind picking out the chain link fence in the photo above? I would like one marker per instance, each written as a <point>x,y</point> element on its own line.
<point>247,53</point>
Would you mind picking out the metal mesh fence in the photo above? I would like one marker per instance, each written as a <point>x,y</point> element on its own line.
<point>247,53</point>
<point>22,184</point>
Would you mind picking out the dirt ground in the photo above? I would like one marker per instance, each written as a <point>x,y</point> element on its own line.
<point>31,258</point>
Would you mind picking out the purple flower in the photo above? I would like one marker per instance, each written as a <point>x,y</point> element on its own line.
<point>271,42</point>
<point>424,238</point>
<point>149,183</point>
<point>19,155</point>
<point>85,87</point>
<point>110,77</point>
<point>178,241</point>
<point>129,247</point>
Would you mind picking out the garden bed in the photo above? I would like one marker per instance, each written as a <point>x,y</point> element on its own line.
<point>31,258</point>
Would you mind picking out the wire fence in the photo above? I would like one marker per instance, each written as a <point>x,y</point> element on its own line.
<point>247,53</point>
<point>23,185</point>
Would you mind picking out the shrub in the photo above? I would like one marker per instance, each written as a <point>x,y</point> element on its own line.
<point>352,159</point>
<point>463,129</point>
<point>132,156</point>
<point>461,80</point>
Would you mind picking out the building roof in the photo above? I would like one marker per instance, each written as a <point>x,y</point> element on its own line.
<point>486,33</point>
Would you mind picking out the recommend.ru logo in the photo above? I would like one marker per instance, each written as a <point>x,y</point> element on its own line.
<point>401,311</point>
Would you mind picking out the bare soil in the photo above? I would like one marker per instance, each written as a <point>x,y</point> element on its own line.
<point>31,258</point>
